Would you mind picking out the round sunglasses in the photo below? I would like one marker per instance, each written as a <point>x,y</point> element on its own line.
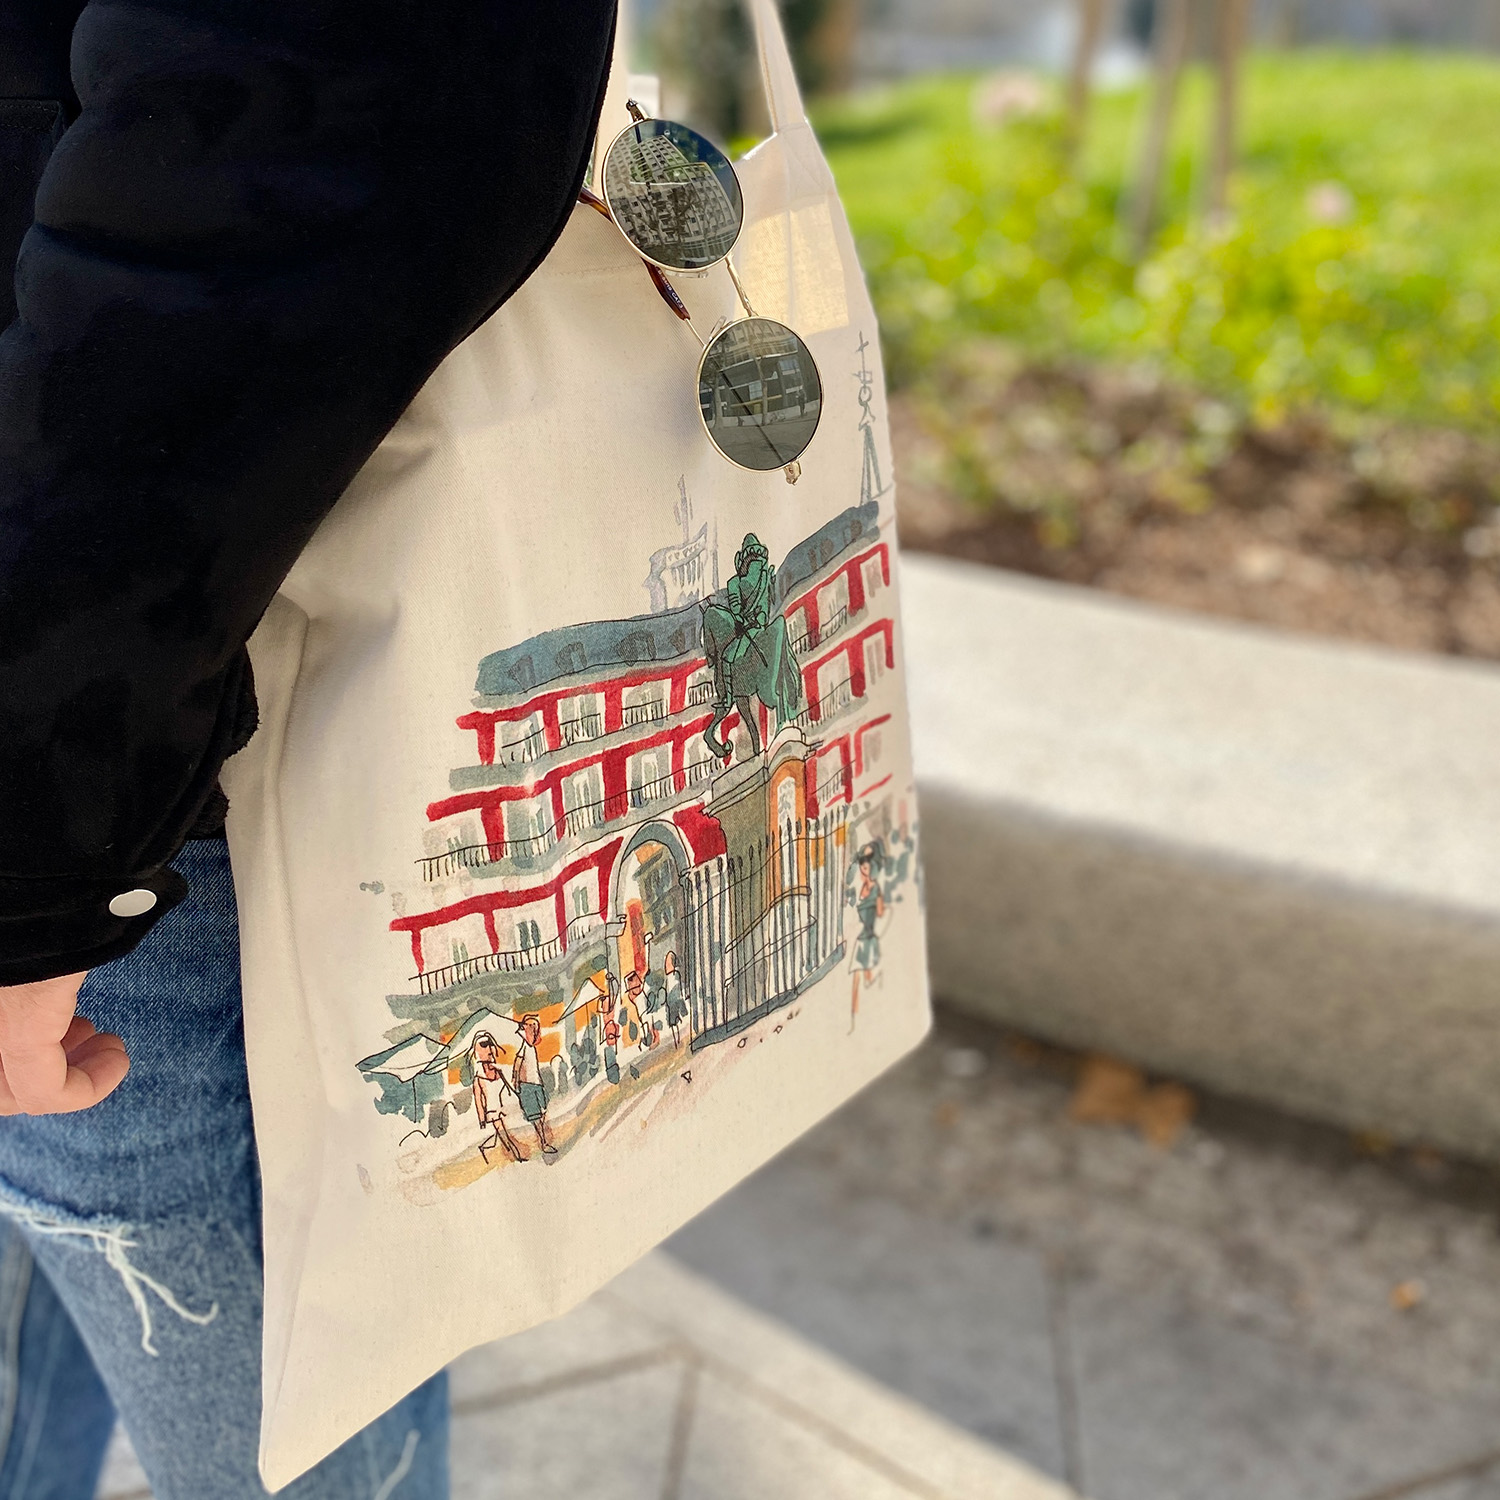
<point>674,196</point>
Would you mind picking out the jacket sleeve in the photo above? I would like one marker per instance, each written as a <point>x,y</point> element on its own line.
<point>265,227</point>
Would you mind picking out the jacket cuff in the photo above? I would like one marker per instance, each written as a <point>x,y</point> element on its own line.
<point>73,925</point>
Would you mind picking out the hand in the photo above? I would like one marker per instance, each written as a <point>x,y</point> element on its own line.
<point>52,1061</point>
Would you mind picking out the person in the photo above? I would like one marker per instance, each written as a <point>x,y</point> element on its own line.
<point>676,1005</point>
<point>638,1002</point>
<point>526,1077</point>
<point>490,1090</point>
<point>236,241</point>
<point>868,901</point>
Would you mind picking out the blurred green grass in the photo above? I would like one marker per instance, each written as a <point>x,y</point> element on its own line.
<point>1360,269</point>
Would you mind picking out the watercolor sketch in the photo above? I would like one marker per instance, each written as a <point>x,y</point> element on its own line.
<point>672,829</point>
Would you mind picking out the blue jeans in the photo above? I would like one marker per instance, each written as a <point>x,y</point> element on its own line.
<point>130,1253</point>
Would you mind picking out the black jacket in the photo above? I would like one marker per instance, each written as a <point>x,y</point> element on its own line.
<point>244,233</point>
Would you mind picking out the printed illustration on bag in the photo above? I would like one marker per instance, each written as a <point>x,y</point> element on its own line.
<point>673,828</point>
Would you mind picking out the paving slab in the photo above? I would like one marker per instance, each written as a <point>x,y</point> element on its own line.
<point>596,1338</point>
<point>1175,1404</point>
<point>605,1439</point>
<point>850,1413</point>
<point>122,1477</point>
<point>742,1446</point>
<point>956,1323</point>
<point>1483,1485</point>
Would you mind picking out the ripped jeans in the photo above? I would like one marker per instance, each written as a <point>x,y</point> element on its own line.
<point>130,1255</point>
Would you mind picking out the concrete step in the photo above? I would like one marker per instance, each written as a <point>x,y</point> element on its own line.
<point>1264,862</point>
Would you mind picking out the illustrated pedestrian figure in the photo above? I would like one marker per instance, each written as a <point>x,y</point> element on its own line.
<point>492,1094</point>
<point>611,1027</point>
<point>868,901</point>
<point>635,995</point>
<point>526,1076</point>
<point>676,1003</point>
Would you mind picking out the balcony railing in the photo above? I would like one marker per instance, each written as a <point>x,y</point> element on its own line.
<point>836,699</point>
<point>468,857</point>
<point>698,770</point>
<point>651,712</point>
<point>584,727</point>
<point>699,692</point>
<point>532,847</point>
<point>476,856</point>
<point>585,816</point>
<point>805,638</point>
<point>648,792</point>
<point>520,752</point>
<point>582,928</point>
<point>513,961</point>
<point>836,785</point>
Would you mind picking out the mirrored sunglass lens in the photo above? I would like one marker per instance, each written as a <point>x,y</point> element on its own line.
<point>760,394</point>
<point>673,194</point>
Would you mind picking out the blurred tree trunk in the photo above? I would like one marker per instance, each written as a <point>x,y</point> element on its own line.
<point>1233,21</point>
<point>1174,30</point>
<point>1091,16</point>
<point>831,45</point>
<point>708,53</point>
<point>1286,30</point>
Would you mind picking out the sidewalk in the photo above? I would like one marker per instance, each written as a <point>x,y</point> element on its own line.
<point>956,1288</point>
<point>664,1388</point>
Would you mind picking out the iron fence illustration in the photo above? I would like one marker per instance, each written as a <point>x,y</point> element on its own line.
<point>764,924</point>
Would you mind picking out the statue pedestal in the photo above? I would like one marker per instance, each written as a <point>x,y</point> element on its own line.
<point>741,797</point>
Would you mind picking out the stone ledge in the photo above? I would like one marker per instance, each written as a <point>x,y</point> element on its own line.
<point>1262,862</point>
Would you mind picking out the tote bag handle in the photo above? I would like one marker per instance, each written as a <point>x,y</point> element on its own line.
<point>784,107</point>
<point>783,97</point>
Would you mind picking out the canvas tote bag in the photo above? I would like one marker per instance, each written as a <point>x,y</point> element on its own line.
<point>531,976</point>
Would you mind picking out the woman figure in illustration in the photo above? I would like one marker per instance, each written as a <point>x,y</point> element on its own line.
<point>675,1003</point>
<point>868,901</point>
<point>526,1075</point>
<point>491,1088</point>
<point>745,642</point>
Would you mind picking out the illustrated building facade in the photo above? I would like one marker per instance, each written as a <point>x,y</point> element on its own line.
<point>593,832</point>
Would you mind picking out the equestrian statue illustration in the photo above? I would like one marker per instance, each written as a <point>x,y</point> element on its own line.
<point>745,640</point>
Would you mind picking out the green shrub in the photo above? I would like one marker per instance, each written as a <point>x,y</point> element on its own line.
<point>1361,268</point>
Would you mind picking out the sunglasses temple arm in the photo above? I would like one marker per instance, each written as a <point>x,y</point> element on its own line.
<point>658,280</point>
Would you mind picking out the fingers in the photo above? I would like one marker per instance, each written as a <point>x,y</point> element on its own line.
<point>58,1082</point>
<point>51,1060</point>
<point>32,1012</point>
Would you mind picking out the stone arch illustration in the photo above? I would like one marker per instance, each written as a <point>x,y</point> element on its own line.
<point>664,834</point>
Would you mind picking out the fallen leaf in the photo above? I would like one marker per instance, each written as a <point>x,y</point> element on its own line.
<point>1373,1143</point>
<point>1165,1112</point>
<point>1109,1092</point>
<point>1406,1295</point>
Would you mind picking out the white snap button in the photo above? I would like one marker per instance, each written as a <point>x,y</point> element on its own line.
<point>133,903</point>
